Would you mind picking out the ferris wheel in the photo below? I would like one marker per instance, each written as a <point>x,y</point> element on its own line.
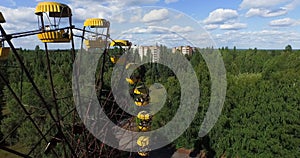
<point>66,135</point>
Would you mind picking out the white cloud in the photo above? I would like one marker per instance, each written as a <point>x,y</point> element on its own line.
<point>112,4</point>
<point>170,1</point>
<point>266,12</point>
<point>119,19</point>
<point>171,40</point>
<point>292,5</point>
<point>80,13</point>
<point>146,30</point>
<point>156,15</point>
<point>22,14</point>
<point>180,29</point>
<point>136,16</point>
<point>19,19</point>
<point>247,4</point>
<point>179,15</point>
<point>105,8</point>
<point>285,22</point>
<point>263,39</point>
<point>211,26</point>
<point>234,26</point>
<point>219,16</point>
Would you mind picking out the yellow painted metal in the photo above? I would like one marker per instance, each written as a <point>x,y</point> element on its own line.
<point>4,52</point>
<point>98,43</point>
<point>131,66</point>
<point>115,58</point>
<point>143,153</point>
<point>54,37</point>
<point>54,9</point>
<point>96,22</point>
<point>139,103</point>
<point>132,80</point>
<point>2,19</point>
<point>143,128</point>
<point>144,115</point>
<point>143,141</point>
<point>141,90</point>
<point>120,43</point>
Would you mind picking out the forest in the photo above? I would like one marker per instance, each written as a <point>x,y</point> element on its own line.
<point>260,117</point>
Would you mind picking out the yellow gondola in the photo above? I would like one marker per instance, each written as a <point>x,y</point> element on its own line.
<point>144,115</point>
<point>51,32</point>
<point>142,100</point>
<point>143,153</point>
<point>54,37</point>
<point>137,75</point>
<point>95,43</point>
<point>139,103</point>
<point>133,81</point>
<point>96,23</point>
<point>144,128</point>
<point>120,42</point>
<point>141,90</point>
<point>131,66</point>
<point>121,46</point>
<point>143,141</point>
<point>95,40</point>
<point>4,51</point>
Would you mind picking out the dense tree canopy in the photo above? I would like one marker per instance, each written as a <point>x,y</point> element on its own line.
<point>260,117</point>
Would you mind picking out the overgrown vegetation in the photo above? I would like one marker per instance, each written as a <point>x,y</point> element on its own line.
<point>260,117</point>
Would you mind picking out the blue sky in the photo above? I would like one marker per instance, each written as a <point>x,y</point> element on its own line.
<point>265,24</point>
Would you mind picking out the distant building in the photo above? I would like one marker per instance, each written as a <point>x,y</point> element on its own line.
<point>186,50</point>
<point>152,50</point>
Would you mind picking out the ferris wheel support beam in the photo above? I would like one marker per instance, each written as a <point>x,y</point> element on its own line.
<point>51,84</point>
<point>99,83</point>
<point>92,32</point>
<point>72,39</point>
<point>24,109</point>
<point>30,33</point>
<point>8,40</point>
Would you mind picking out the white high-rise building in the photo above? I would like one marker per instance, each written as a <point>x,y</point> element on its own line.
<point>143,51</point>
<point>186,50</point>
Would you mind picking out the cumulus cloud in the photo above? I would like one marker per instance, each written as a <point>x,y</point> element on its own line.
<point>159,30</point>
<point>180,29</point>
<point>105,8</point>
<point>170,1</point>
<point>19,19</point>
<point>136,16</point>
<point>264,39</point>
<point>292,5</point>
<point>234,26</point>
<point>112,4</point>
<point>155,15</point>
<point>219,16</point>
<point>247,4</point>
<point>19,14</point>
<point>268,8</point>
<point>266,12</point>
<point>146,30</point>
<point>211,26</point>
<point>285,22</point>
